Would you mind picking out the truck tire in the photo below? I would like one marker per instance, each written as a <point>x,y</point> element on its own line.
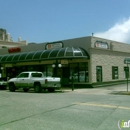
<point>2,87</point>
<point>37,87</point>
<point>12,87</point>
<point>51,89</point>
<point>25,89</point>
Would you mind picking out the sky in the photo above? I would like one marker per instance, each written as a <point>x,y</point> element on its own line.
<point>54,20</point>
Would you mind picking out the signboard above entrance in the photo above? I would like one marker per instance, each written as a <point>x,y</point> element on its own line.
<point>54,45</point>
<point>64,61</point>
<point>100,44</point>
<point>14,49</point>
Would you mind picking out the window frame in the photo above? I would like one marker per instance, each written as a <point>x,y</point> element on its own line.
<point>101,74</point>
<point>115,72</point>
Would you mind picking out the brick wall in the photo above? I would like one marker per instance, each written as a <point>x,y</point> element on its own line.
<point>114,56</point>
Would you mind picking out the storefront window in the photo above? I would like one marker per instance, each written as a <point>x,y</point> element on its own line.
<point>114,72</point>
<point>79,71</point>
<point>30,68</point>
<point>16,70</point>
<point>49,71</point>
<point>36,68</point>
<point>74,68</point>
<point>83,72</point>
<point>12,72</point>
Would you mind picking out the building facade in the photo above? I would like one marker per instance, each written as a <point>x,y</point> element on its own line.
<point>87,61</point>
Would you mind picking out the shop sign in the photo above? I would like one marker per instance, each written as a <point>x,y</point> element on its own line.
<point>100,44</point>
<point>127,60</point>
<point>54,45</point>
<point>8,65</point>
<point>14,49</point>
<point>64,61</point>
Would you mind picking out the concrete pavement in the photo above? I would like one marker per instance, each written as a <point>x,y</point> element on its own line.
<point>82,109</point>
<point>115,89</point>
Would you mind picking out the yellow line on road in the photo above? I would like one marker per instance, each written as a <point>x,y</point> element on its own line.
<point>102,105</point>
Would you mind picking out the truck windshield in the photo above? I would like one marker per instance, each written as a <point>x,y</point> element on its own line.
<point>36,75</point>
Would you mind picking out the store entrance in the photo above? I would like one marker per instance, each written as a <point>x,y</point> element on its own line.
<point>65,76</point>
<point>63,73</point>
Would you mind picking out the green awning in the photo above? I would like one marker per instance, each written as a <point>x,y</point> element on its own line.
<point>62,53</point>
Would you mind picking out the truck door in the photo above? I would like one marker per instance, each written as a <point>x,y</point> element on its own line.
<point>23,80</point>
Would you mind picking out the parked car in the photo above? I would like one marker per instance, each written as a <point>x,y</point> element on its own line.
<point>34,79</point>
<point>3,83</point>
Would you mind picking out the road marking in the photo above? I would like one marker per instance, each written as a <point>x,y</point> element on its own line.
<point>102,105</point>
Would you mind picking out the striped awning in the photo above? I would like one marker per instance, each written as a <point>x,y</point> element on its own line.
<point>62,53</point>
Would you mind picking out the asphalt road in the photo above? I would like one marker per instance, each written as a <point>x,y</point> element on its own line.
<point>82,109</point>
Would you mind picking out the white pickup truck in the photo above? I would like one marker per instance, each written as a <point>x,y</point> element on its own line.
<point>34,79</point>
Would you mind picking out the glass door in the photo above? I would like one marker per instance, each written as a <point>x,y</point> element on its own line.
<point>65,75</point>
<point>99,73</point>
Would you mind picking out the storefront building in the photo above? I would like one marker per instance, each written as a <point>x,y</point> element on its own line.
<point>6,40</point>
<point>91,61</point>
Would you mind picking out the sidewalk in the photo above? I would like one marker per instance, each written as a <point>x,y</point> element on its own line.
<point>120,89</point>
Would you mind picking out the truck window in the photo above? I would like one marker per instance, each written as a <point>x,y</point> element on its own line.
<point>36,75</point>
<point>23,75</point>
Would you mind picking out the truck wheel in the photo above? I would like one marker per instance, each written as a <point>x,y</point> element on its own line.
<point>51,89</point>
<point>37,88</point>
<point>2,87</point>
<point>5,88</point>
<point>12,87</point>
<point>25,90</point>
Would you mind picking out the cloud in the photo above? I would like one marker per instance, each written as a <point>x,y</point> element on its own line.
<point>119,32</point>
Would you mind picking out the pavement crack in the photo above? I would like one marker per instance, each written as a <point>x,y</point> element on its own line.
<point>106,118</point>
<point>37,114</point>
